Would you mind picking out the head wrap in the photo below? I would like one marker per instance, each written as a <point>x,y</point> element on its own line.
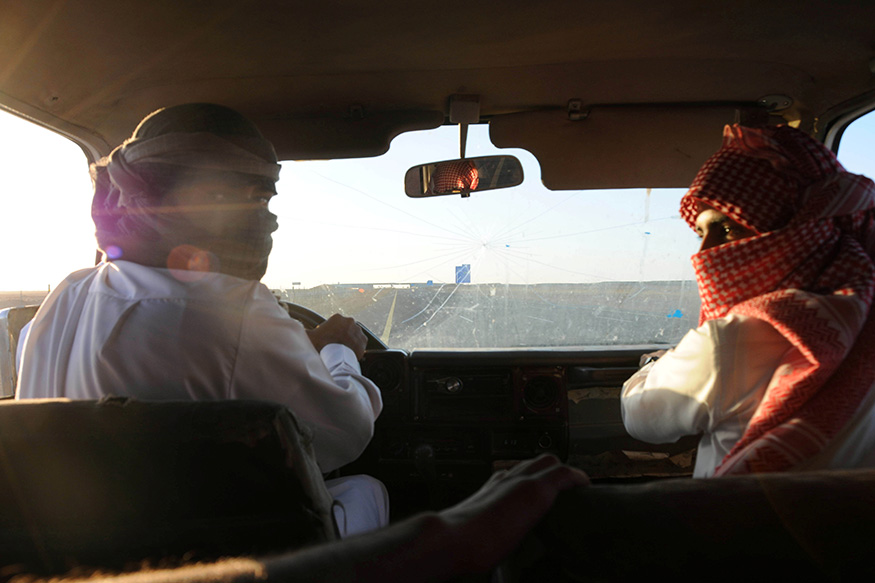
<point>455,176</point>
<point>201,139</point>
<point>809,272</point>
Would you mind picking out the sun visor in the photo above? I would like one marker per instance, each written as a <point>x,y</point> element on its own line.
<point>353,136</point>
<point>621,146</point>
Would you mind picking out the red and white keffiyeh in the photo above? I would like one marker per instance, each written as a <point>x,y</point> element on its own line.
<point>809,273</point>
<point>456,176</point>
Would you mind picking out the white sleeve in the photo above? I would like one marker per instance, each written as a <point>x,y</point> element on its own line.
<point>277,362</point>
<point>22,336</point>
<point>717,374</point>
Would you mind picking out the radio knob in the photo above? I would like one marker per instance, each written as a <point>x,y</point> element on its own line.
<point>545,441</point>
<point>452,385</point>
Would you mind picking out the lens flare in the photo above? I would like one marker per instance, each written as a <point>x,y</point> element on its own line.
<point>190,263</point>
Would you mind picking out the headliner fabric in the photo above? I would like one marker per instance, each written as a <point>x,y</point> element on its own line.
<point>808,272</point>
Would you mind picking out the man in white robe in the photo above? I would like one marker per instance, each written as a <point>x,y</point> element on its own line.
<point>176,310</point>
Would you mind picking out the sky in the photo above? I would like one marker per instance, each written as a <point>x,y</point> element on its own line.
<point>368,231</point>
<point>348,221</point>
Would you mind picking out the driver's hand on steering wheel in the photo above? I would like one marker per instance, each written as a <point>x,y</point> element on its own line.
<point>339,330</point>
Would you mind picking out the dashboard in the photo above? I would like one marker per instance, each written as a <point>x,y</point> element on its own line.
<point>452,417</point>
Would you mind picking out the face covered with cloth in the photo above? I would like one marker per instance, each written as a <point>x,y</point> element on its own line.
<point>189,191</point>
<point>806,267</point>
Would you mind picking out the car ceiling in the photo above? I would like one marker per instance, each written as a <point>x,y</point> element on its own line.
<point>649,84</point>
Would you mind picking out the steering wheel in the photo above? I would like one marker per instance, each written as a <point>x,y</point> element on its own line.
<point>311,319</point>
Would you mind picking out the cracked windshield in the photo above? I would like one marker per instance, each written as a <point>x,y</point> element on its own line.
<point>519,267</point>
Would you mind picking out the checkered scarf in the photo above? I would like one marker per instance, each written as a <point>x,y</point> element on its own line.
<point>808,272</point>
<point>456,176</point>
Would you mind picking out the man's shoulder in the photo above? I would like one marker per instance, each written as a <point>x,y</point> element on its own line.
<point>740,326</point>
<point>140,282</point>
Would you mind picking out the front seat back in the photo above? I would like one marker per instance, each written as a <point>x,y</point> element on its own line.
<point>103,484</point>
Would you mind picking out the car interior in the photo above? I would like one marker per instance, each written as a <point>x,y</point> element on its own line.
<point>501,329</point>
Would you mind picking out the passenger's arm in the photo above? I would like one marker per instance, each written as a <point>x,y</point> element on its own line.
<point>468,538</point>
<point>715,371</point>
<point>659,403</point>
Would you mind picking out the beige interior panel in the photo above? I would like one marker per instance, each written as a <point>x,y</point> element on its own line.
<point>620,147</point>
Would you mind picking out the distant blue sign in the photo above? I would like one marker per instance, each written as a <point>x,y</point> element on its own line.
<point>676,314</point>
<point>463,273</point>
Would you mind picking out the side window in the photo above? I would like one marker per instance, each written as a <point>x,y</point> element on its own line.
<point>46,230</point>
<point>857,145</point>
<point>45,204</point>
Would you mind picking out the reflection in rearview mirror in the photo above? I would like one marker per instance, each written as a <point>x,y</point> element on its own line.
<point>463,176</point>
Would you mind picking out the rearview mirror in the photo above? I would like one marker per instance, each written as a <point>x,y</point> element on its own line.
<point>463,176</point>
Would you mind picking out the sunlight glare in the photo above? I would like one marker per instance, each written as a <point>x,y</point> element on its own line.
<point>47,231</point>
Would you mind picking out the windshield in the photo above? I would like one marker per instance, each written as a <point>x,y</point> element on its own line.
<point>521,267</point>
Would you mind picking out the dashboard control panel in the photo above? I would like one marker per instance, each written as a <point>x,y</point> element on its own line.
<point>438,410</point>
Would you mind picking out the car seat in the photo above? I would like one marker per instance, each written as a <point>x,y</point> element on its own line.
<point>106,483</point>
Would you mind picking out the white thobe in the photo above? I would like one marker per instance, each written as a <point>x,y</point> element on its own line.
<point>713,382</point>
